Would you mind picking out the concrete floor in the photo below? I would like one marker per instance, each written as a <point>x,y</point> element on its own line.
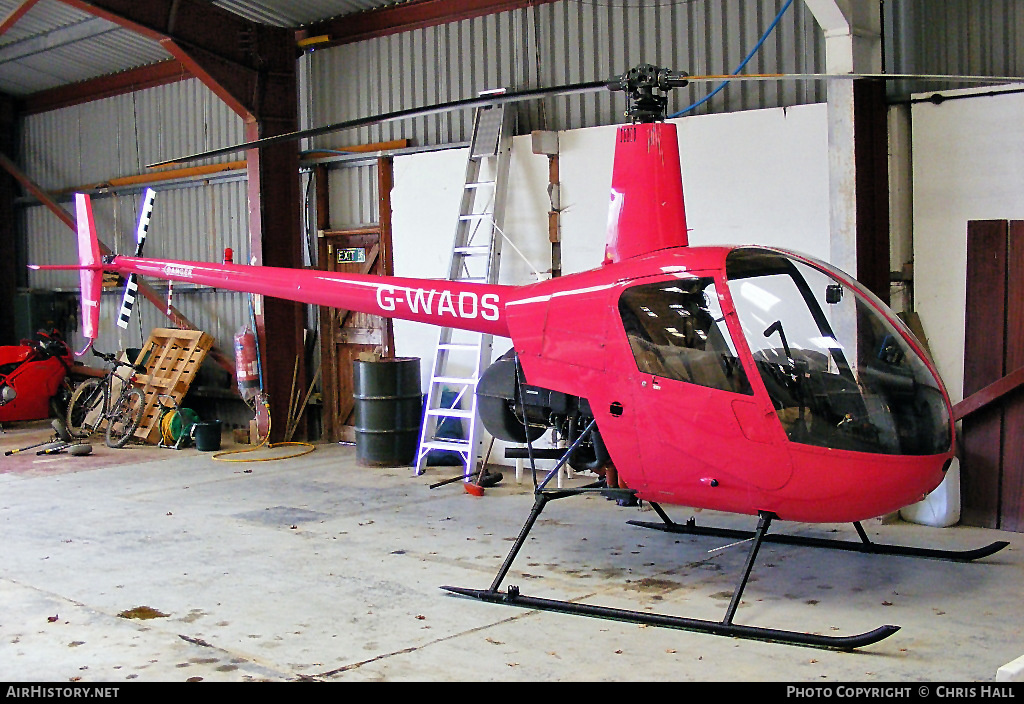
<point>317,568</point>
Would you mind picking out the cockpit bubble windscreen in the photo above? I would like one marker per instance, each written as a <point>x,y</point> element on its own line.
<point>839,374</point>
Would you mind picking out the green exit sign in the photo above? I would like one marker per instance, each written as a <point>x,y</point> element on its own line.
<point>351,255</point>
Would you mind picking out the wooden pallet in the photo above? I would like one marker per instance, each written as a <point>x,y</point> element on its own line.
<point>172,359</point>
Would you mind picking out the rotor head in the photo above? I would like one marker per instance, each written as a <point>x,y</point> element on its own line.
<point>646,86</point>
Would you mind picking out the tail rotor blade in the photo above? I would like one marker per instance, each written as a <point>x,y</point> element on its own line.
<point>131,288</point>
<point>145,214</point>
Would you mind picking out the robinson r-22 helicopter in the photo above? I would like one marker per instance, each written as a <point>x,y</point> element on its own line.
<point>746,379</point>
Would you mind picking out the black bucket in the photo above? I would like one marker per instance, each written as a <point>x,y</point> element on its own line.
<point>388,410</point>
<point>206,435</point>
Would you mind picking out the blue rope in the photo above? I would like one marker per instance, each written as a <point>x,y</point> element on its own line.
<point>739,68</point>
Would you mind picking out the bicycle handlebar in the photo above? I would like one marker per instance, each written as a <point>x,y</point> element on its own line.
<point>112,359</point>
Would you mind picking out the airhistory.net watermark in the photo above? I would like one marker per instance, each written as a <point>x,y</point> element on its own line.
<point>60,692</point>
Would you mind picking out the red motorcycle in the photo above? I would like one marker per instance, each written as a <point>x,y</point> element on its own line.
<point>34,377</point>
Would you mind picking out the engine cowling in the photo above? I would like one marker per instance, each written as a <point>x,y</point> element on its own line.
<point>516,412</point>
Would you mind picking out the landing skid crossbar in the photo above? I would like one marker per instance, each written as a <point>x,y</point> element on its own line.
<point>864,546</point>
<point>725,627</point>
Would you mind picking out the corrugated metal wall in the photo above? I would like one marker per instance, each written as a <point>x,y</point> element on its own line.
<point>114,137</point>
<point>964,37</point>
<point>561,43</point>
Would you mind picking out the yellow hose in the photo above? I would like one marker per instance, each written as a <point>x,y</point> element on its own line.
<point>309,448</point>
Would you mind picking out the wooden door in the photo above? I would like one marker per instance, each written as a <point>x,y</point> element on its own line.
<point>346,335</point>
<point>993,436</point>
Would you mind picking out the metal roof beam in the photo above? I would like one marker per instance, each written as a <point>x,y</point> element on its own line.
<point>250,66</point>
<point>56,38</point>
<point>402,17</point>
<point>106,86</point>
<point>15,15</point>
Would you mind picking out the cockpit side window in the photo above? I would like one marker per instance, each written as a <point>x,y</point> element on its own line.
<point>676,330</point>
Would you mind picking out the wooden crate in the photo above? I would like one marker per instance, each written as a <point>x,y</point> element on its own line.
<point>172,359</point>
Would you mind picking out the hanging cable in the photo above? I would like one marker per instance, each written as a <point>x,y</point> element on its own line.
<point>742,65</point>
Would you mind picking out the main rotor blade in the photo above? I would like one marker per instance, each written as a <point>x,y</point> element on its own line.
<point>857,76</point>
<point>586,87</point>
<point>487,99</point>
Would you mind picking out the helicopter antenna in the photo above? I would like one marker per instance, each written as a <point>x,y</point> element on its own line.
<point>645,86</point>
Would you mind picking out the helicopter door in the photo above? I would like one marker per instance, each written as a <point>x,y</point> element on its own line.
<point>697,411</point>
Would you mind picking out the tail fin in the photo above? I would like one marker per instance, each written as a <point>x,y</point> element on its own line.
<point>91,273</point>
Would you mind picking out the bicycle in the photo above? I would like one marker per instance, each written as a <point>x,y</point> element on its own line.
<point>98,400</point>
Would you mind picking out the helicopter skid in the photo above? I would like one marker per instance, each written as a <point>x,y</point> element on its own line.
<point>513,598</point>
<point>725,627</point>
<point>864,546</point>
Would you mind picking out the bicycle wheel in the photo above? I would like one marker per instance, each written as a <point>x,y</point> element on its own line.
<point>85,409</point>
<point>125,417</point>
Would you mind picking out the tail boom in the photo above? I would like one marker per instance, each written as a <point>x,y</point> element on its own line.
<point>473,307</point>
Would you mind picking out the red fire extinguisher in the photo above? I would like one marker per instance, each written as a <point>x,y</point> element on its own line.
<point>247,370</point>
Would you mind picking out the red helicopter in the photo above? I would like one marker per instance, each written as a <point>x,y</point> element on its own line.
<point>745,379</point>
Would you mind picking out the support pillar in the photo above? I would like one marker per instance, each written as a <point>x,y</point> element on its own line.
<point>857,141</point>
<point>275,240</point>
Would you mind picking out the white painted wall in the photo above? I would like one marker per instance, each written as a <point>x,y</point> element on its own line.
<point>754,177</point>
<point>968,165</point>
<point>757,177</point>
<point>424,204</point>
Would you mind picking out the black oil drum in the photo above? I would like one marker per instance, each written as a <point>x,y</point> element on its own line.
<point>388,406</point>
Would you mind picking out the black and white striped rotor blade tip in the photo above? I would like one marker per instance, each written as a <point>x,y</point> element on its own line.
<point>131,286</point>
<point>131,289</point>
<point>145,215</point>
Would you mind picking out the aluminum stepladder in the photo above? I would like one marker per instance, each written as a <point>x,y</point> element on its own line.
<point>461,357</point>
